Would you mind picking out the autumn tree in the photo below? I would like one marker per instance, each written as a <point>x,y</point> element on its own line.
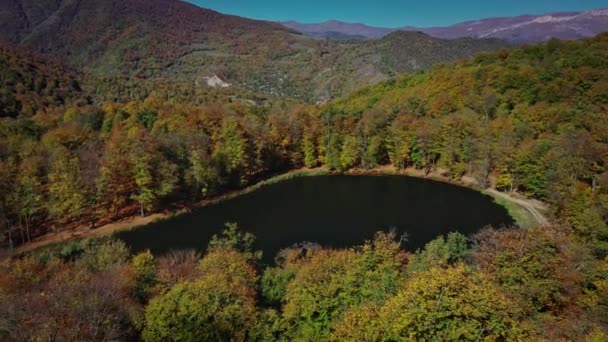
<point>29,193</point>
<point>398,147</point>
<point>330,282</point>
<point>537,266</point>
<point>66,195</point>
<point>202,175</point>
<point>115,183</point>
<point>449,304</point>
<point>231,147</point>
<point>220,306</point>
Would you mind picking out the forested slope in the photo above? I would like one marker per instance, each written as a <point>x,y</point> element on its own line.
<point>29,84</point>
<point>179,42</point>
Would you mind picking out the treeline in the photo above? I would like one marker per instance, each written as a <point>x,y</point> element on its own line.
<point>92,163</point>
<point>526,120</point>
<point>513,285</point>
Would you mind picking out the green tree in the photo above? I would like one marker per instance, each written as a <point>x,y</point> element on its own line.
<point>398,146</point>
<point>147,118</point>
<point>274,284</point>
<point>103,254</point>
<point>231,147</point>
<point>332,152</point>
<point>202,175</point>
<point>153,176</point>
<point>231,263</point>
<point>349,155</point>
<point>268,327</point>
<point>144,269</point>
<point>441,252</point>
<point>504,181</point>
<point>530,168</point>
<point>320,292</point>
<point>373,154</point>
<point>29,191</point>
<point>232,237</point>
<point>310,151</point>
<point>361,323</point>
<point>7,186</point>
<point>142,176</point>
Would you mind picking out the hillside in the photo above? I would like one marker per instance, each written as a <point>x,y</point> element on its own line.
<point>371,61</point>
<point>407,51</point>
<point>176,41</point>
<point>29,83</point>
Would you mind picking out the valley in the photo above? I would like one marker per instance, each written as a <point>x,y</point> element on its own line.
<point>180,42</point>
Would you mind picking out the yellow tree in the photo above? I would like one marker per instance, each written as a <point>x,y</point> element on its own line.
<point>453,304</point>
<point>66,194</point>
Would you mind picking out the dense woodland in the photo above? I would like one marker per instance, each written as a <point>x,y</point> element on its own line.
<point>530,120</point>
<point>511,284</point>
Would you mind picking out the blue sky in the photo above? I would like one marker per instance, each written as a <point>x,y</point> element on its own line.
<point>393,13</point>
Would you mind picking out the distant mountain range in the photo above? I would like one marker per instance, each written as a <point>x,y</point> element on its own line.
<point>519,30</point>
<point>170,40</point>
<point>340,30</point>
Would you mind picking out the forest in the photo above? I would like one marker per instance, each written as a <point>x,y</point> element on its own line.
<point>78,150</point>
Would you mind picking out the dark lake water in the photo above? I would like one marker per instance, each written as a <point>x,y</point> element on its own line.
<point>338,211</point>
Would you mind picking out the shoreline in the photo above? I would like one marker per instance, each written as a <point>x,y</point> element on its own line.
<point>525,212</point>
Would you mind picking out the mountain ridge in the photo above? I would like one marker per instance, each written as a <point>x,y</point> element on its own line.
<point>527,28</point>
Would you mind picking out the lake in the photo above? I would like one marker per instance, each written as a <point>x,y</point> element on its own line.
<point>337,211</point>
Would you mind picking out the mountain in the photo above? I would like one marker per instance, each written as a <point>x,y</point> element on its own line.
<point>530,28</point>
<point>399,52</point>
<point>133,33</point>
<point>405,51</point>
<point>521,29</point>
<point>180,42</point>
<point>333,28</point>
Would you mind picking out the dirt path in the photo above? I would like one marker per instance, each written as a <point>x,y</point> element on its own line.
<point>86,232</point>
<point>535,208</point>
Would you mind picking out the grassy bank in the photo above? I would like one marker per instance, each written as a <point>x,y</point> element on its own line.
<point>522,216</point>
